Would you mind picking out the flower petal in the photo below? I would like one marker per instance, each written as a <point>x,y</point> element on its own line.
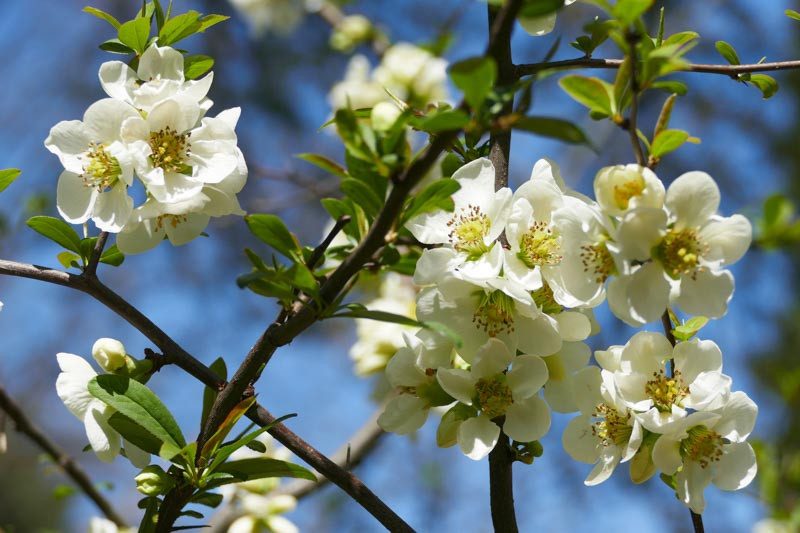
<point>527,375</point>
<point>692,199</point>
<point>477,437</point>
<point>727,238</point>
<point>706,294</point>
<point>75,201</point>
<point>527,420</point>
<point>736,468</point>
<point>103,439</point>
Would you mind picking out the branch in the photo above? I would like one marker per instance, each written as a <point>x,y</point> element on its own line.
<point>91,268</point>
<point>632,126</point>
<point>733,71</point>
<point>59,456</point>
<point>178,356</point>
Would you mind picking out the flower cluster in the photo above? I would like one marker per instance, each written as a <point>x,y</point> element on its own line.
<point>280,16</point>
<point>152,130</point>
<point>408,72</point>
<point>679,417</point>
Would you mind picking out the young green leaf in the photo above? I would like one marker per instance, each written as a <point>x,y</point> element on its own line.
<point>57,231</point>
<point>196,65</point>
<point>475,78</point>
<point>135,434</point>
<point>68,260</point>
<point>261,467</point>
<point>325,164</point>
<point>209,20</point>
<point>792,14</point>
<point>686,331</point>
<point>555,128</point>
<point>766,84</point>
<point>627,11</point>
<point>362,195</point>
<point>540,8</point>
<point>178,28</point>
<point>209,395</point>
<point>115,46</point>
<point>594,93</point>
<point>7,177</point>
<point>209,499</point>
<point>271,230</point>
<point>454,119</point>
<point>135,34</point>
<point>225,427</point>
<point>380,316</point>
<point>138,403</point>
<point>727,51</point>
<point>102,15</point>
<point>666,141</point>
<point>226,451</point>
<point>112,256</point>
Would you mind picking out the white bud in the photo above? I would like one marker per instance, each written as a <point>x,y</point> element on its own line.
<point>384,115</point>
<point>109,353</point>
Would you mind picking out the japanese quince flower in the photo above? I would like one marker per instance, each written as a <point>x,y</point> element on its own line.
<point>683,250</point>
<point>72,387</point>
<point>104,525</point>
<point>658,399</point>
<point>159,76</point>
<point>559,391</point>
<point>606,433</point>
<point>98,166</point>
<point>378,341</point>
<point>412,74</point>
<point>623,187</point>
<point>709,447</point>
<point>262,513</point>
<point>357,90</point>
<point>496,393</point>
<point>412,371</point>
<point>470,231</point>
<point>177,154</point>
<point>540,25</point>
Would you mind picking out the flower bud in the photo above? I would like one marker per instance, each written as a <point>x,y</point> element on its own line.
<point>350,32</point>
<point>109,354</point>
<point>384,115</point>
<point>152,481</point>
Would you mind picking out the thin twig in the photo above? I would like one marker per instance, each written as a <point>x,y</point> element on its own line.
<point>91,268</point>
<point>319,251</point>
<point>592,63</point>
<point>59,456</point>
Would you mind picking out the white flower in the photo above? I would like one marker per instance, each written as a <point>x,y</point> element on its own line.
<point>378,341</point>
<point>471,230</point>
<point>159,76</point>
<point>72,388</point>
<point>412,74</point>
<point>559,391</point>
<point>98,166</point>
<point>256,486</point>
<point>606,433</point>
<point>357,90</point>
<point>623,187</point>
<point>541,25</point>
<point>683,250</point>
<point>412,371</point>
<point>110,354</point>
<point>495,393</point>
<point>657,398</point>
<point>104,525</point>
<point>281,16</point>
<point>709,447</point>
<point>262,513</point>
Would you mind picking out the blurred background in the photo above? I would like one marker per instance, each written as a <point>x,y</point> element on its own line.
<point>281,79</point>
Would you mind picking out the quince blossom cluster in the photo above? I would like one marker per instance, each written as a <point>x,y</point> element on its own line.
<point>515,276</point>
<point>152,130</point>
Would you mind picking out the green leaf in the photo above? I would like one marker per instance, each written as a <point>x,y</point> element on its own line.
<point>115,46</point>
<point>225,427</point>
<point>135,34</point>
<point>454,119</point>
<point>112,256</point>
<point>196,65</point>
<point>627,11</point>
<point>475,78</point>
<point>325,164</point>
<point>591,92</point>
<point>159,12</point>
<point>209,499</point>
<point>671,86</point>
<point>435,196</point>
<point>138,403</point>
<point>7,177</point>
<point>556,128</point>
<point>686,331</point>
<point>135,434</point>
<point>727,51</point>
<point>792,14</point>
<point>179,27</point>
<point>358,311</point>
<point>67,259</point>
<point>193,514</point>
<point>271,230</point>
<point>778,210</point>
<point>667,141</point>
<point>257,446</point>
<point>210,20</point>
<point>259,468</point>
<point>57,231</point>
<point>681,38</point>
<point>209,395</point>
<point>87,248</point>
<point>766,84</point>
<point>362,195</point>
<point>102,15</point>
<point>226,451</point>
<point>61,492</point>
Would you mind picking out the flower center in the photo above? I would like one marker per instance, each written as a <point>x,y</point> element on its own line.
<point>540,247</point>
<point>495,313</point>
<point>172,220</point>
<point>597,261</point>
<point>468,230</point>
<point>102,171</point>
<point>494,395</point>
<point>679,252</point>
<point>612,428</point>
<point>627,190</point>
<point>170,150</point>
<point>546,301</point>
<point>665,391</point>
<point>702,446</point>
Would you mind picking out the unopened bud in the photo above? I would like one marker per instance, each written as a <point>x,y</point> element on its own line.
<point>384,115</point>
<point>350,32</point>
<point>152,481</point>
<point>109,354</point>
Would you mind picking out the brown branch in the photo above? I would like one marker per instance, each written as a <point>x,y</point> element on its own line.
<point>176,355</point>
<point>592,63</point>
<point>91,268</point>
<point>634,117</point>
<point>59,456</point>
